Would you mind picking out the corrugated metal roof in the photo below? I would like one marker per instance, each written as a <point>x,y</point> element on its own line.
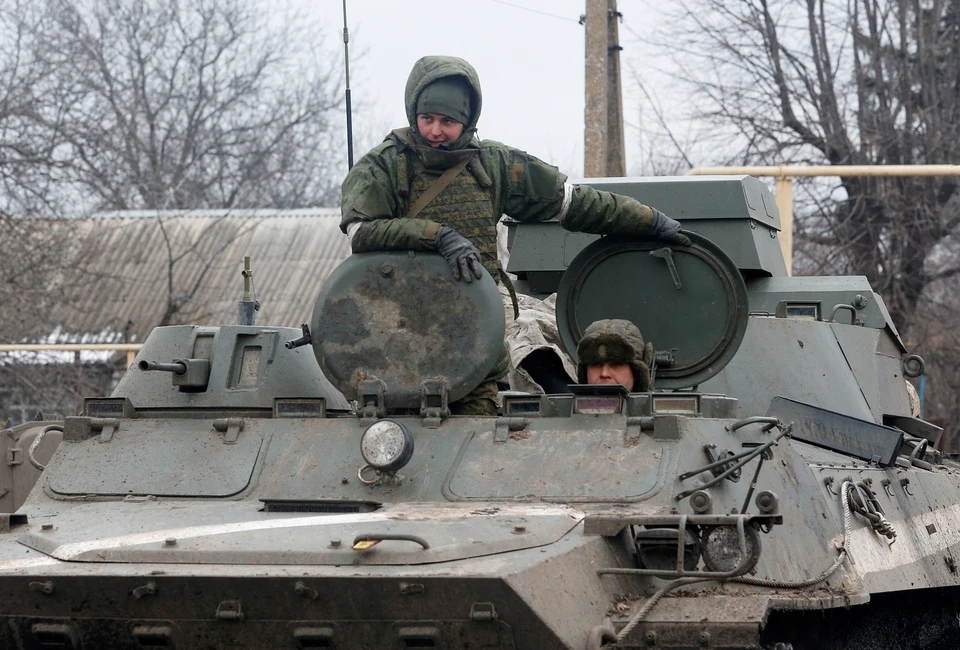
<point>240,214</point>
<point>130,268</point>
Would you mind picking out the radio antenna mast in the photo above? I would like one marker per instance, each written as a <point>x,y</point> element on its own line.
<point>346,63</point>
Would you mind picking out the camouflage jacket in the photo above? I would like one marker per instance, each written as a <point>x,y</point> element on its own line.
<point>383,185</point>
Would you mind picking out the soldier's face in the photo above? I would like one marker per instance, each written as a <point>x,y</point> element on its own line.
<point>437,129</point>
<point>610,373</point>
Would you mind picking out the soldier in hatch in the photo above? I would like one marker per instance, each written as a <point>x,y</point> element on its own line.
<point>411,192</point>
<point>612,352</point>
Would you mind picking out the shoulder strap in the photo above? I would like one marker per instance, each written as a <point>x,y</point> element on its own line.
<point>436,187</point>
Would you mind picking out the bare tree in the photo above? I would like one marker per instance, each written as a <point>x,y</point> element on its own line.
<point>190,104</point>
<point>29,96</point>
<point>847,82</point>
<point>156,104</point>
<point>167,104</point>
<point>858,82</point>
<point>202,250</point>
<point>34,251</point>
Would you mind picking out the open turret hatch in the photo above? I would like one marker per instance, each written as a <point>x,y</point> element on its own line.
<point>398,325</point>
<point>690,302</point>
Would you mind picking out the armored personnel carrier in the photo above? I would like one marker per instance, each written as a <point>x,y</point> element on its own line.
<point>242,489</point>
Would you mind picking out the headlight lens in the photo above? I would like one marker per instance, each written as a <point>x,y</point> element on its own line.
<point>386,445</point>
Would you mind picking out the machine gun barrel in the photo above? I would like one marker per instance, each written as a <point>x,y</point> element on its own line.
<point>176,368</point>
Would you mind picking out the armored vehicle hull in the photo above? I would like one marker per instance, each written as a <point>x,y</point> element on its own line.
<point>773,491</point>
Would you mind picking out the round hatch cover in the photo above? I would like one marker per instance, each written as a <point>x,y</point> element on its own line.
<point>690,301</point>
<point>400,317</point>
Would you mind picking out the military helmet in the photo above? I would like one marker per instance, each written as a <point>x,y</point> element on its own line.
<point>618,341</point>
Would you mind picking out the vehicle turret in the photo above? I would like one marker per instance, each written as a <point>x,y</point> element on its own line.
<point>736,213</point>
<point>245,368</point>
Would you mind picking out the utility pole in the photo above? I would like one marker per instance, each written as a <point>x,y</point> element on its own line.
<point>603,151</point>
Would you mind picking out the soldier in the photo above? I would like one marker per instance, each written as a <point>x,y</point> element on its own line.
<point>612,352</point>
<point>410,193</point>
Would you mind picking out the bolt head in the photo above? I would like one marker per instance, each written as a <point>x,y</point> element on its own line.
<point>701,502</point>
<point>170,541</point>
<point>767,502</point>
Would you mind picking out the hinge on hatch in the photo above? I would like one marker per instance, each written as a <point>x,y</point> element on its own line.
<point>504,425</point>
<point>230,427</point>
<point>370,395</point>
<point>433,402</point>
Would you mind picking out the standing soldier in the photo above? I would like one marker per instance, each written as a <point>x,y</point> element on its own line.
<point>411,192</point>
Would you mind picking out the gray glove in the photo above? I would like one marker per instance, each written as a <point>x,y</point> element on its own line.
<point>666,229</point>
<point>460,253</point>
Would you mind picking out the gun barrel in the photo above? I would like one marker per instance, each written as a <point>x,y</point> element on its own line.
<point>175,368</point>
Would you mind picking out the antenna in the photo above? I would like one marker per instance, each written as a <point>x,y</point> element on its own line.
<point>248,305</point>
<point>346,64</point>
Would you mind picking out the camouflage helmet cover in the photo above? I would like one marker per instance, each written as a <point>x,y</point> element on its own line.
<point>617,341</point>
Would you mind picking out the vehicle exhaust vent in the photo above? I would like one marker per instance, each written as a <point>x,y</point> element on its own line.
<point>320,507</point>
<point>328,508</point>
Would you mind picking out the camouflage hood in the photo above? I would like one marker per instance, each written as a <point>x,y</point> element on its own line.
<point>426,71</point>
<point>616,341</point>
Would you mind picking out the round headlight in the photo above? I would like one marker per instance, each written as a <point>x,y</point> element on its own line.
<point>386,445</point>
<point>721,548</point>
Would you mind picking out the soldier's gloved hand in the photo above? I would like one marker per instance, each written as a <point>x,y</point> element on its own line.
<point>666,229</point>
<point>460,253</point>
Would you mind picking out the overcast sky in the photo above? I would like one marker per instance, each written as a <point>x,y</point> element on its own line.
<point>529,55</point>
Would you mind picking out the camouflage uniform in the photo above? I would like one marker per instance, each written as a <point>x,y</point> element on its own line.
<point>534,333</point>
<point>383,185</point>
<point>616,341</point>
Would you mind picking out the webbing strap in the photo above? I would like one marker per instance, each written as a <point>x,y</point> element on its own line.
<point>436,187</point>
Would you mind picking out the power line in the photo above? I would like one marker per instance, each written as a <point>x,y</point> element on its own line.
<point>535,11</point>
<point>632,31</point>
